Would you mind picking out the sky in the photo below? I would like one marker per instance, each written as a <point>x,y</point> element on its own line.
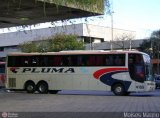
<point>141,16</point>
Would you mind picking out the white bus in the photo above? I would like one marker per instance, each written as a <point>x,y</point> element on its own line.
<point>119,71</point>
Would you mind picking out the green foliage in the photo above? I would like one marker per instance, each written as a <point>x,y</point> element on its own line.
<point>89,5</point>
<point>152,45</point>
<point>146,46</point>
<point>42,46</point>
<point>54,44</point>
<point>28,47</point>
<point>65,42</point>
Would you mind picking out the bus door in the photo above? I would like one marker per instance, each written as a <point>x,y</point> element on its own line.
<point>137,70</point>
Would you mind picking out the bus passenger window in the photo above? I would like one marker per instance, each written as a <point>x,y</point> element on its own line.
<point>70,62</point>
<point>118,61</point>
<point>99,60</point>
<point>43,61</point>
<point>67,61</point>
<point>91,61</point>
<point>57,61</point>
<point>25,61</point>
<point>35,61</point>
<point>80,61</point>
<point>109,60</point>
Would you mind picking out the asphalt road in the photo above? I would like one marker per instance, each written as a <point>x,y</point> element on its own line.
<point>79,102</point>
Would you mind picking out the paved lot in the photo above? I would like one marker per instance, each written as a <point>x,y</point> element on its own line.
<point>79,104</point>
<point>79,101</point>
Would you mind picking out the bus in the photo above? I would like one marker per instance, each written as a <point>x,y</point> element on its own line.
<point>2,75</point>
<point>121,72</point>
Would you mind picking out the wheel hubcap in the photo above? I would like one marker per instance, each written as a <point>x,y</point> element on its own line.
<point>118,89</point>
<point>30,88</point>
<point>42,88</point>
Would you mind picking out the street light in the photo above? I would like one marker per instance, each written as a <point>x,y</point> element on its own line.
<point>112,26</point>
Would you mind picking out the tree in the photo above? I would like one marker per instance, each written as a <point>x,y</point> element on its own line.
<point>55,43</point>
<point>146,46</point>
<point>65,42</point>
<point>152,45</point>
<point>28,47</point>
<point>123,41</point>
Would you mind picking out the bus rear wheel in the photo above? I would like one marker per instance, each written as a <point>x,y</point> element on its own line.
<point>118,89</point>
<point>42,87</point>
<point>53,91</point>
<point>30,87</point>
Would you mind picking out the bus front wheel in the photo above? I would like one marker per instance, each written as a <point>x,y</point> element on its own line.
<point>30,87</point>
<point>118,89</point>
<point>42,87</point>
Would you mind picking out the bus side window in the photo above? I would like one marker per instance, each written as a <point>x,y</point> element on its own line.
<point>106,61</point>
<point>26,62</point>
<point>35,61</point>
<point>43,61</point>
<point>120,60</point>
<point>80,61</point>
<point>117,60</point>
<point>57,60</point>
<point>109,60</point>
<point>99,60</point>
<point>67,61</point>
<point>70,61</point>
<point>74,61</point>
<point>91,61</point>
<point>12,61</point>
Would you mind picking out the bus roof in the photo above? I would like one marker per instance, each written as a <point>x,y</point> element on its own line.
<point>74,52</point>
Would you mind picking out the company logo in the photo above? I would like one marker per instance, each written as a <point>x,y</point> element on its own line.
<point>42,70</point>
<point>4,115</point>
<point>9,115</point>
<point>14,69</point>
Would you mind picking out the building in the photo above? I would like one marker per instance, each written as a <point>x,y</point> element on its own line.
<point>29,12</point>
<point>95,37</point>
<point>116,45</point>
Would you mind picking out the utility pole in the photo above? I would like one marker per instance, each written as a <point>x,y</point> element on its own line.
<point>112,25</point>
<point>158,59</point>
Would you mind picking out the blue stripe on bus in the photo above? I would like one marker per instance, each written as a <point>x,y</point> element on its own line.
<point>108,80</point>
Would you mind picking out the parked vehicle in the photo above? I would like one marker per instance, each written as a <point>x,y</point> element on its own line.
<point>157,80</point>
<point>2,74</point>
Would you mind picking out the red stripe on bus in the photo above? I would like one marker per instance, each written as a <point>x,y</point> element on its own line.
<point>98,73</point>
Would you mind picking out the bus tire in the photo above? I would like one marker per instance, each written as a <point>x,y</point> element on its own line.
<point>53,91</point>
<point>127,93</point>
<point>118,89</point>
<point>30,87</point>
<point>42,87</point>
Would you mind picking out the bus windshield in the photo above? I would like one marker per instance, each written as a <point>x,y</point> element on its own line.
<point>140,68</point>
<point>148,68</point>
